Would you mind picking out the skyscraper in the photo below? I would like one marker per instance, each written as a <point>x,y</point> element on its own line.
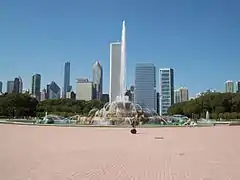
<point>238,86</point>
<point>66,86</point>
<point>145,85</point>
<point>16,85</point>
<point>36,86</point>
<point>97,79</point>
<point>20,84</point>
<point>181,95</point>
<point>115,70</point>
<point>1,87</point>
<point>53,91</point>
<point>43,94</point>
<point>10,86</point>
<point>166,83</point>
<point>229,87</point>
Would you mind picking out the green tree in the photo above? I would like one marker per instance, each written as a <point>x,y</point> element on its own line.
<point>17,105</point>
<point>219,105</point>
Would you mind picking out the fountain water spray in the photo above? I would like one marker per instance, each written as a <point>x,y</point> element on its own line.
<point>123,64</point>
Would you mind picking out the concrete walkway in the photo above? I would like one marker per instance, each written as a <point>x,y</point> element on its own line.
<point>64,153</point>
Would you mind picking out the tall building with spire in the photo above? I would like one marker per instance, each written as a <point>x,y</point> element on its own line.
<point>97,74</point>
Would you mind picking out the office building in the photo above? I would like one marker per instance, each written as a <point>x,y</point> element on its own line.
<point>43,95</point>
<point>115,71</point>
<point>10,86</point>
<point>145,85</point>
<point>181,95</point>
<point>20,85</point>
<point>71,95</point>
<point>238,87</point>
<point>166,83</point>
<point>105,98</point>
<point>97,74</point>
<point>1,87</point>
<point>66,86</point>
<point>53,91</point>
<point>176,96</point>
<point>229,87</point>
<point>85,90</point>
<point>36,86</point>
<point>17,85</point>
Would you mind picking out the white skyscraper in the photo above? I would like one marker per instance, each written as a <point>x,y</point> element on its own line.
<point>115,70</point>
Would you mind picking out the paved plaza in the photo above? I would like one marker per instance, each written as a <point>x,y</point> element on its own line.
<point>74,153</point>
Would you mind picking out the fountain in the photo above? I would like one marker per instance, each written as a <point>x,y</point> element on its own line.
<point>207,115</point>
<point>121,111</point>
<point>54,119</point>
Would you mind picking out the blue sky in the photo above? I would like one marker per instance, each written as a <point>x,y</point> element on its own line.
<point>200,39</point>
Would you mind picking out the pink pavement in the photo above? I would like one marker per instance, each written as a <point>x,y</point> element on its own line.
<point>65,153</point>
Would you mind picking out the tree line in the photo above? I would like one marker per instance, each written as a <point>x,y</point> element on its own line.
<point>219,106</point>
<point>23,105</point>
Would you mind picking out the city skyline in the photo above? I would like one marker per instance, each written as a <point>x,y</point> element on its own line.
<point>186,41</point>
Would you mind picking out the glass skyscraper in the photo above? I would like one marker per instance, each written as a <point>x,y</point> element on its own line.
<point>238,86</point>
<point>166,88</point>
<point>1,87</point>
<point>53,91</point>
<point>145,85</point>
<point>66,86</point>
<point>36,86</point>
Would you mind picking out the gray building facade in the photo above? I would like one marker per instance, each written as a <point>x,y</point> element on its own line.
<point>10,86</point>
<point>145,86</point>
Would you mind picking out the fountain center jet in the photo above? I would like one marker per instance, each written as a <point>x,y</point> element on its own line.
<point>123,64</point>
